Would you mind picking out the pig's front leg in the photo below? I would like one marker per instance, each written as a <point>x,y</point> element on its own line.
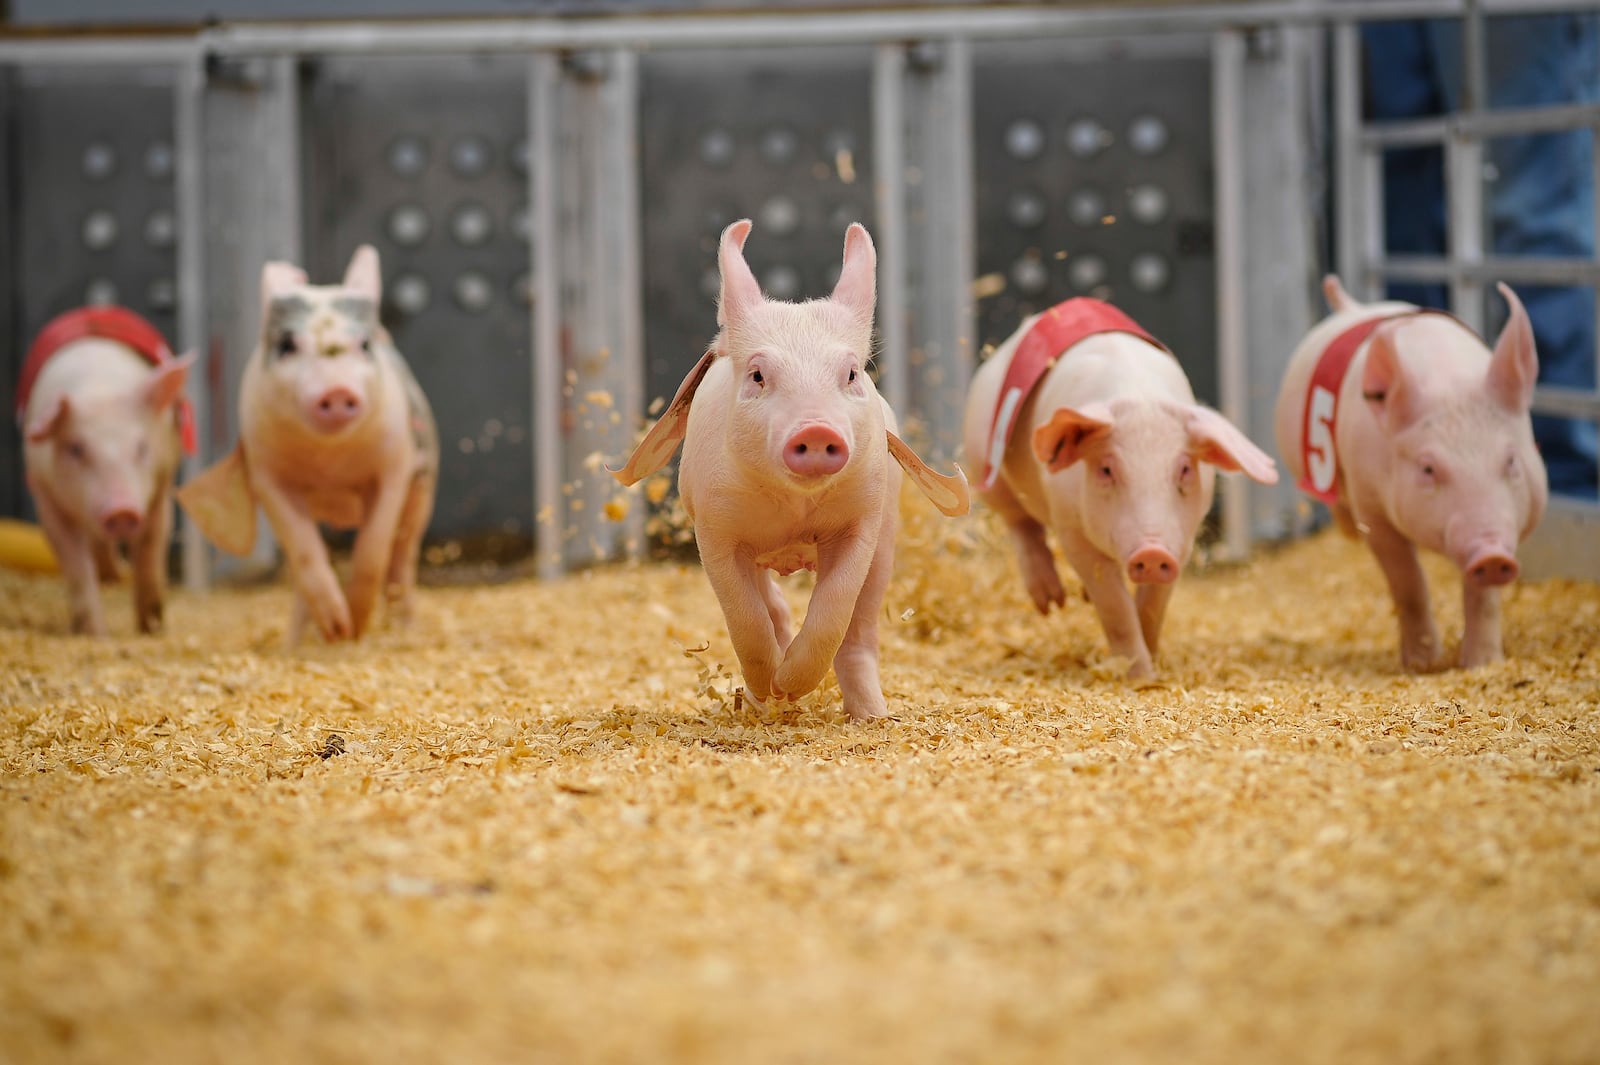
<point>1481,643</point>
<point>778,610</point>
<point>150,564</point>
<point>1038,565</point>
<point>76,557</point>
<point>1152,600</point>
<point>1408,587</point>
<point>316,585</point>
<point>843,563</point>
<point>401,581</point>
<point>375,546</point>
<point>856,664</point>
<point>1102,580</point>
<point>740,589</point>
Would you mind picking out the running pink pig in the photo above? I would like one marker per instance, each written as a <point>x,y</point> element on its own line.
<point>1417,435</point>
<point>102,408</point>
<point>333,428</point>
<point>787,451</point>
<point>1081,423</point>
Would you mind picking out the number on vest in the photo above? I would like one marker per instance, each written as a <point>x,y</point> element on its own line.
<point>1321,463</point>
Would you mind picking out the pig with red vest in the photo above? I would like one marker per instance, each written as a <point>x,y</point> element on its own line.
<point>790,462</point>
<point>101,406</point>
<point>1417,435</point>
<point>333,429</point>
<point>1084,425</point>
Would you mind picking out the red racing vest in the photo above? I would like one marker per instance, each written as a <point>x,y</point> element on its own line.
<point>1318,451</point>
<point>107,323</point>
<point>1056,330</point>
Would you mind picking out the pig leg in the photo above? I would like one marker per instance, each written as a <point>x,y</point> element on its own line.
<point>1119,617</point>
<point>739,587</point>
<point>778,610</point>
<point>1481,643</point>
<point>856,663</point>
<point>402,577</point>
<point>842,567</point>
<point>75,554</point>
<point>1408,587</point>
<point>1152,600</point>
<point>375,547</point>
<point>150,564</point>
<point>316,585</point>
<point>1038,566</point>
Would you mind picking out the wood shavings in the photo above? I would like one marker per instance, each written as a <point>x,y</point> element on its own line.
<point>557,828</point>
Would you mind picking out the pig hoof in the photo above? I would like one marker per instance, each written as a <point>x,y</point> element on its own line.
<point>150,621</point>
<point>867,709</point>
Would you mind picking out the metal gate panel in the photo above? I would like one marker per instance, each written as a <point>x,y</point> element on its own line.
<point>426,158</point>
<point>90,168</point>
<point>781,136</point>
<point>1093,164</point>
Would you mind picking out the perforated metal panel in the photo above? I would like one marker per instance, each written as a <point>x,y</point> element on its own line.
<point>89,165</point>
<point>426,159</point>
<point>779,136</point>
<point>1094,178</point>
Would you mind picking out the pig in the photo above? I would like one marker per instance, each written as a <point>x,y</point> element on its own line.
<point>1108,450</point>
<point>333,428</point>
<point>101,413</point>
<point>787,451</point>
<point>1422,439</point>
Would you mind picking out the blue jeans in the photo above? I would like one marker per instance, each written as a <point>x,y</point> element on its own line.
<point>1540,203</point>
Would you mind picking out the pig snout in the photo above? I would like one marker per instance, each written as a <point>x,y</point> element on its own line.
<point>1152,564</point>
<point>335,409</point>
<point>815,451</point>
<point>120,522</point>
<point>1490,566</point>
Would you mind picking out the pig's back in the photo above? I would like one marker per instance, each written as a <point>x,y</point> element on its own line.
<point>1290,410</point>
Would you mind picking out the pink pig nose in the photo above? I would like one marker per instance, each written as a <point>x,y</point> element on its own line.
<point>1490,568</point>
<point>120,523</point>
<point>335,409</point>
<point>1152,564</point>
<point>816,451</point>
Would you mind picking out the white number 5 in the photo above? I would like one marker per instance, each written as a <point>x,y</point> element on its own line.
<point>1321,463</point>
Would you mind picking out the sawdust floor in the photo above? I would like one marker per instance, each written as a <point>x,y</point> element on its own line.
<point>551,835</point>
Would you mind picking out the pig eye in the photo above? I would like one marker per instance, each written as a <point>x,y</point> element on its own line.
<point>286,345</point>
<point>755,375</point>
<point>74,450</point>
<point>852,375</point>
<point>366,345</point>
<point>1511,466</point>
<point>1106,476</point>
<point>142,450</point>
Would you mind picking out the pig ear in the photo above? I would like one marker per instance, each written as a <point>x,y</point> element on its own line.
<point>1333,291</point>
<point>280,279</point>
<point>219,502</point>
<point>1386,383</point>
<point>947,493</point>
<point>857,287</point>
<point>166,384</point>
<point>45,424</point>
<point>1218,441</point>
<point>362,274</point>
<point>1515,365</point>
<point>663,438</point>
<point>1060,442</point>
<point>740,291</point>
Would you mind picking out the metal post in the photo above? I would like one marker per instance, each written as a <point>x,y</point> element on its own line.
<point>620,173</point>
<point>543,82</point>
<point>1356,191</point>
<point>1464,179</point>
<point>189,182</point>
<point>1227,102</point>
<point>888,163</point>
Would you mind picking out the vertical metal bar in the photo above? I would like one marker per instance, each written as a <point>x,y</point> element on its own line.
<point>622,173</point>
<point>1353,176</point>
<point>1464,177</point>
<point>888,164</point>
<point>544,76</point>
<point>188,137</point>
<point>1227,103</point>
<point>961,355</point>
